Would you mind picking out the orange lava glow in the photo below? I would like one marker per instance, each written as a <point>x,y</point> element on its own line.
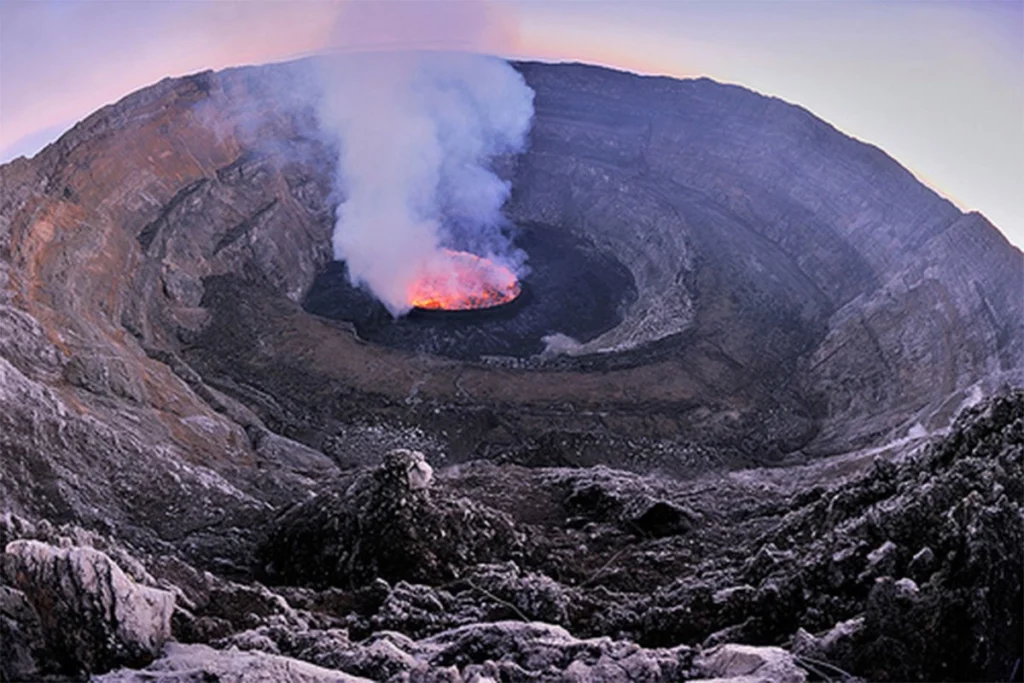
<point>460,281</point>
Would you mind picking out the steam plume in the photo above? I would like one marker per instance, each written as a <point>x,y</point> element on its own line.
<point>417,131</point>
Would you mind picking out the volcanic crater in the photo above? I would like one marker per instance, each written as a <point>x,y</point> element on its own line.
<point>571,288</point>
<point>720,414</point>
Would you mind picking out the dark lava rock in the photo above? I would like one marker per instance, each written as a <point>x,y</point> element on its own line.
<point>960,517</point>
<point>765,563</point>
<point>385,523</point>
<point>22,639</point>
<point>603,495</point>
<point>572,286</point>
<point>957,509</point>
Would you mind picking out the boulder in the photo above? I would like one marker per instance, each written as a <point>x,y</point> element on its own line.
<point>92,616</point>
<point>389,523</point>
<point>748,664</point>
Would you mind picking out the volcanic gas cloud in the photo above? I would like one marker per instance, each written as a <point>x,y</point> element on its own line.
<point>420,223</point>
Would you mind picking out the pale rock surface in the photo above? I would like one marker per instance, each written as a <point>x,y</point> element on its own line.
<point>749,664</point>
<point>92,615</point>
<point>182,663</point>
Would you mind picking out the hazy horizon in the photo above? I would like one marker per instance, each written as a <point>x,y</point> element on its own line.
<point>938,86</point>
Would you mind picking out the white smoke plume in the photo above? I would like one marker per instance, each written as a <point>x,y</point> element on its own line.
<point>417,130</point>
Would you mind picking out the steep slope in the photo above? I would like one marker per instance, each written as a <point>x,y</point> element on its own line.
<point>740,214</point>
<point>93,427</point>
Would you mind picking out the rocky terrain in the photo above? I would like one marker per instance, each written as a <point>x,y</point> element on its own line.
<point>893,565</point>
<point>742,465</point>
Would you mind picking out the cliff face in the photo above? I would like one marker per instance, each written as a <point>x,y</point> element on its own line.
<point>99,423</point>
<point>909,353</point>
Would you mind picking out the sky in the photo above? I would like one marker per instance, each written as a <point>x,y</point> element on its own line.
<point>938,84</point>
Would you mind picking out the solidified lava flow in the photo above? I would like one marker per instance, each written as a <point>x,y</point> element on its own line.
<point>460,281</point>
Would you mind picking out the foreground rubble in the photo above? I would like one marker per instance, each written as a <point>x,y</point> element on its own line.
<point>908,568</point>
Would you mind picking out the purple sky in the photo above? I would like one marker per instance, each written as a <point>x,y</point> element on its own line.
<point>937,84</point>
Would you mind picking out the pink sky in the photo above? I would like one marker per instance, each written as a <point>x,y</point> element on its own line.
<point>937,84</point>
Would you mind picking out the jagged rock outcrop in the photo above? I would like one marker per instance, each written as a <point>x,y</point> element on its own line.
<point>495,652</point>
<point>91,615</point>
<point>503,650</point>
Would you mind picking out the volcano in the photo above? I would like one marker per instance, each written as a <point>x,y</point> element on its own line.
<point>718,413</point>
<point>461,281</point>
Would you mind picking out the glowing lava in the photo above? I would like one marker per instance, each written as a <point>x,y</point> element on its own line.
<point>460,281</point>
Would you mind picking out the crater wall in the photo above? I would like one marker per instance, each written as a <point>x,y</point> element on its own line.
<point>797,293</point>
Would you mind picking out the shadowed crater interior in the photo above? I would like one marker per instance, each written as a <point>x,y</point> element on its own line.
<point>572,288</point>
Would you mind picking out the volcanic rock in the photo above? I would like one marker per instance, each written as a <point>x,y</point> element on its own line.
<point>21,633</point>
<point>92,616</point>
<point>543,651</point>
<point>385,523</point>
<point>799,546</point>
<point>199,662</point>
<point>749,664</point>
